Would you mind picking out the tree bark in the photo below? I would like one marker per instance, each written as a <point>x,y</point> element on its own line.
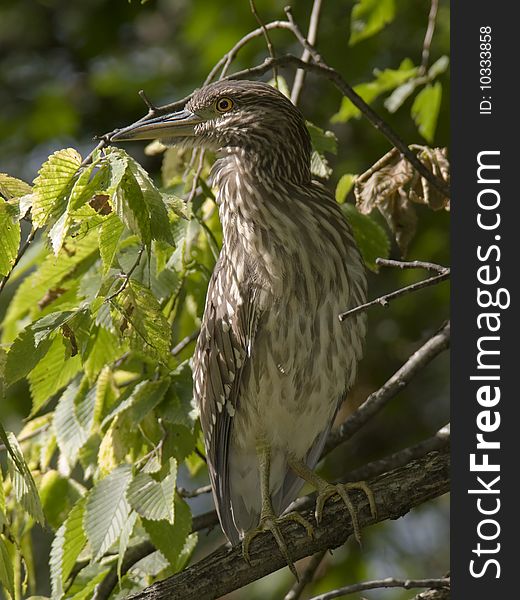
<point>396,492</point>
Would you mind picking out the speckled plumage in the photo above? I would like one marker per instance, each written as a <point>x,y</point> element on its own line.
<point>272,362</point>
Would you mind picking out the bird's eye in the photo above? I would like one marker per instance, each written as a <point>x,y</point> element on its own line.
<point>224,105</point>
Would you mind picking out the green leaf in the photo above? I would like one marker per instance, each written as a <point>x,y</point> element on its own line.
<point>21,478</point>
<point>58,495</point>
<point>344,186</point>
<point>82,190</point>
<point>425,110</point>
<point>6,566</point>
<point>144,397</point>
<point>368,17</point>
<point>53,185</point>
<point>170,539</point>
<point>124,540</point>
<point>24,355</point>
<point>370,237</point>
<point>10,187</point>
<point>143,320</point>
<point>322,141</point>
<point>154,499</point>
<point>9,236</point>
<point>69,541</point>
<point>103,347</point>
<point>71,434</point>
<point>52,373</point>
<point>384,81</point>
<point>107,510</point>
<point>109,236</point>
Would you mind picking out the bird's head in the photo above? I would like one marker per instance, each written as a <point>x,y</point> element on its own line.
<point>250,116</point>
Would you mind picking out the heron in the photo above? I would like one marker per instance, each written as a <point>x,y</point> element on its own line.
<point>273,363</point>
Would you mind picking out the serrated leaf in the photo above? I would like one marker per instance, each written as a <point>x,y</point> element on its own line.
<point>142,319</point>
<point>103,347</point>
<point>11,187</point>
<point>344,186</point>
<point>425,109</point>
<point>82,189</point>
<point>109,236</point>
<point>107,510</point>
<point>368,17</point>
<point>51,274</point>
<point>114,446</point>
<point>70,432</point>
<point>179,407</point>
<point>124,540</point>
<point>6,567</point>
<point>154,499</point>
<point>52,374</point>
<point>24,355</point>
<point>384,81</point>
<point>9,236</point>
<point>322,140</point>
<point>69,541</point>
<point>370,237</point>
<point>22,480</point>
<point>170,539</point>
<point>319,165</point>
<point>144,397</point>
<point>53,185</point>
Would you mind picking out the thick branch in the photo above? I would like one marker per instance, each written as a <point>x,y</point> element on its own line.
<point>223,571</point>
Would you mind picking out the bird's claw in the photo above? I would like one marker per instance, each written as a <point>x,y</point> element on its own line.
<point>341,490</point>
<point>272,524</point>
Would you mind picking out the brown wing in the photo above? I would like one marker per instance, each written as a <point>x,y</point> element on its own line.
<point>222,354</point>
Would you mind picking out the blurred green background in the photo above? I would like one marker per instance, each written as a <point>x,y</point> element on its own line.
<point>71,70</point>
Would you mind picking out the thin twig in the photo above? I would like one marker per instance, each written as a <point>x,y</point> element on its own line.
<point>432,19</point>
<point>21,252</point>
<point>299,78</point>
<point>400,379</point>
<point>149,104</point>
<point>270,47</point>
<point>126,278</point>
<point>185,342</point>
<point>332,75</point>
<point>306,577</point>
<point>205,489</point>
<point>412,264</point>
<point>390,582</point>
<point>386,298</point>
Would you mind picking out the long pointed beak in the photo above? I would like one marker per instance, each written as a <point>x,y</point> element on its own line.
<point>177,124</point>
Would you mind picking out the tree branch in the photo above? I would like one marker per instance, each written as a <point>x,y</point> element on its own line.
<point>268,42</point>
<point>224,570</point>
<point>306,577</point>
<point>432,19</point>
<point>390,582</point>
<point>400,379</point>
<point>386,298</point>
<point>299,78</point>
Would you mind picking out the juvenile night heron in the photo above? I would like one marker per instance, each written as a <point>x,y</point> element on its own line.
<point>273,362</point>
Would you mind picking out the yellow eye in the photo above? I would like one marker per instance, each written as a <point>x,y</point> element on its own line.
<point>224,105</point>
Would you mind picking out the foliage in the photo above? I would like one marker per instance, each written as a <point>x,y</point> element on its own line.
<point>116,278</point>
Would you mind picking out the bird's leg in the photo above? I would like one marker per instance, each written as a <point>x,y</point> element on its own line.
<point>326,490</point>
<point>268,520</point>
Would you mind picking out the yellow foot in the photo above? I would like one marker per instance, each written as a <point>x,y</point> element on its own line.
<point>341,489</point>
<point>272,524</point>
